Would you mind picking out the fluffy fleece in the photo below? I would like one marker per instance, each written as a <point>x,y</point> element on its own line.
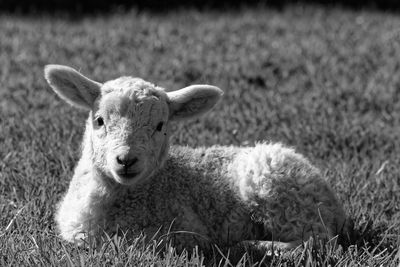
<point>129,178</point>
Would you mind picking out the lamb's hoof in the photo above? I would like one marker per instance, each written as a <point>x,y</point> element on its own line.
<point>80,239</point>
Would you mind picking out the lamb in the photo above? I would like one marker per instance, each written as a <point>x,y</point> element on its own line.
<point>130,178</point>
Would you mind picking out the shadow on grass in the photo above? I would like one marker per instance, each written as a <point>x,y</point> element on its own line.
<point>363,239</point>
<point>373,237</point>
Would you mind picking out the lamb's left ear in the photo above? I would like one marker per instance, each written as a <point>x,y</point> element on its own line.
<point>192,101</point>
<point>72,86</point>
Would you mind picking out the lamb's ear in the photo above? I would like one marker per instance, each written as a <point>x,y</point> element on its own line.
<point>193,100</point>
<point>72,86</point>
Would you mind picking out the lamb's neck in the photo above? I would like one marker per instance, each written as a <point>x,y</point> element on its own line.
<point>95,182</point>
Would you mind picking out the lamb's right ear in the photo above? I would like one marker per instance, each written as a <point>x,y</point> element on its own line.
<point>72,86</point>
<point>192,101</point>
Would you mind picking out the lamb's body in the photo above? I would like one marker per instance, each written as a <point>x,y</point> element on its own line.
<point>221,195</point>
<point>128,178</point>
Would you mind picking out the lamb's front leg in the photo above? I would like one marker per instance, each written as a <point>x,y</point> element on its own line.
<point>70,219</point>
<point>78,212</point>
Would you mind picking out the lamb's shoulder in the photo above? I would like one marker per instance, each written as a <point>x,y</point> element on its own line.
<point>211,192</point>
<point>197,175</point>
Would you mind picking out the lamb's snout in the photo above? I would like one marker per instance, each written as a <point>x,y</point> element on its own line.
<point>126,163</point>
<point>126,160</point>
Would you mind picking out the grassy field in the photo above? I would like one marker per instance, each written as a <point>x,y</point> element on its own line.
<point>326,81</point>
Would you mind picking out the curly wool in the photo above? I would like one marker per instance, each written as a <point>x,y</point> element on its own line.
<point>222,195</point>
<point>129,179</point>
<point>287,194</point>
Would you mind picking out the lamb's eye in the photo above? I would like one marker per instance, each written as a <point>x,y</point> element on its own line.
<point>159,126</point>
<point>100,121</point>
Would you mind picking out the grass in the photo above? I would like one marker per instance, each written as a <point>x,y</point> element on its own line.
<point>324,80</point>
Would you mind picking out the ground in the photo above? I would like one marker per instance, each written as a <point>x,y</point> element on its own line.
<point>323,80</point>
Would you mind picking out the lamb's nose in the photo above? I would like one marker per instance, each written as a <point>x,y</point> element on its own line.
<point>126,161</point>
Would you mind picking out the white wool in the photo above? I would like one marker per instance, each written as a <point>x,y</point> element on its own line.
<point>255,163</point>
<point>129,178</point>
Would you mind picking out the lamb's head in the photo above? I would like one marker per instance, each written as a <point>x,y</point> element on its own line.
<point>128,124</point>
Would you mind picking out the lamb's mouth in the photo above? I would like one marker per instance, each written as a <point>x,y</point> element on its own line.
<point>128,175</point>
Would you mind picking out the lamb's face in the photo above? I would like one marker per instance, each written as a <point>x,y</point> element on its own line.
<point>128,121</point>
<point>130,129</point>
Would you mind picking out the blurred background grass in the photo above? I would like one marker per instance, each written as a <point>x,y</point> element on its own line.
<point>323,79</point>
